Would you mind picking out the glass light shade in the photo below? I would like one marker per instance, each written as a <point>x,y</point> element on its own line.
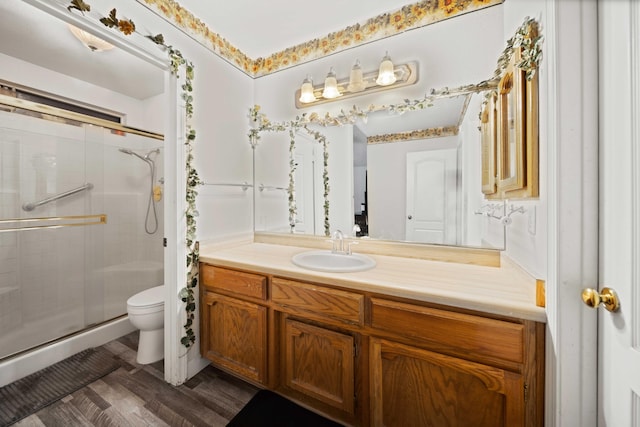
<point>331,86</point>
<point>92,42</point>
<point>386,75</point>
<point>306,91</point>
<point>356,83</point>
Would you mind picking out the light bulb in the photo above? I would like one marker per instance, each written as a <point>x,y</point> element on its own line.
<point>306,91</point>
<point>386,74</point>
<point>356,83</point>
<point>331,86</point>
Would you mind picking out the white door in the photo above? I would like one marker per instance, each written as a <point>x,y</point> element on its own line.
<point>432,196</point>
<point>619,332</point>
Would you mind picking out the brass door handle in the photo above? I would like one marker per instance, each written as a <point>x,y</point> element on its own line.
<point>607,297</point>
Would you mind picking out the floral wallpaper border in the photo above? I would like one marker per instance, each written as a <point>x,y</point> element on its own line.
<point>411,16</point>
<point>416,134</point>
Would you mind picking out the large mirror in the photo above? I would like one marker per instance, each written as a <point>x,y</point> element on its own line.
<point>410,177</point>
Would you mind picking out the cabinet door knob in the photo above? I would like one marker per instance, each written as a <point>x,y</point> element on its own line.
<point>410,217</point>
<point>608,298</point>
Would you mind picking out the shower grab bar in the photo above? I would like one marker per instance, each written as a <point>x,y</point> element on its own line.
<point>99,219</point>
<point>271,187</point>
<point>31,206</point>
<point>245,185</point>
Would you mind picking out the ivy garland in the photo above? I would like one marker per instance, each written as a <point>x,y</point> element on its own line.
<point>177,60</point>
<point>528,39</point>
<point>293,210</point>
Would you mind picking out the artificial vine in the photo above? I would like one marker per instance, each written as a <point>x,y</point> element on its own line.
<point>528,39</point>
<point>187,294</point>
<point>177,60</point>
<point>291,189</point>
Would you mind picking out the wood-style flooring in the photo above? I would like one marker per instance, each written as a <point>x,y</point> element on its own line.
<point>137,395</point>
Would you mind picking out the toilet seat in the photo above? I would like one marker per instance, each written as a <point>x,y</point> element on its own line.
<point>148,299</point>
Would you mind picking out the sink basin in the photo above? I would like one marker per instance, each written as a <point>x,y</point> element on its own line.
<point>333,262</point>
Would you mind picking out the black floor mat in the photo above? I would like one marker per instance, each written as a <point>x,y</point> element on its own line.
<point>29,394</point>
<point>268,409</point>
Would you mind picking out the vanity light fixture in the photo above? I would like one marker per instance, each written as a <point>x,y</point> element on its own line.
<point>331,86</point>
<point>358,83</point>
<point>93,43</point>
<point>386,75</point>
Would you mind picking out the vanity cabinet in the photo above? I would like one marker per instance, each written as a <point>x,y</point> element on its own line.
<point>366,358</point>
<point>445,368</point>
<point>416,387</point>
<point>233,325</point>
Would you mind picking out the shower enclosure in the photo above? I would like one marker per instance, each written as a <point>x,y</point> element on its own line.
<point>80,225</point>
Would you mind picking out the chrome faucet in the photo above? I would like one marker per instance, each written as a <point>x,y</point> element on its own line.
<point>338,241</point>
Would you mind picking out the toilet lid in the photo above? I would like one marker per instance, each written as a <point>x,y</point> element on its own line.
<point>148,297</point>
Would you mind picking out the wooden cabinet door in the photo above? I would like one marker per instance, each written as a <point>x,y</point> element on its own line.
<point>319,363</point>
<point>416,387</point>
<point>234,335</point>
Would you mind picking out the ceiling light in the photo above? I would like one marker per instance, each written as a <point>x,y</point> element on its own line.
<point>92,42</point>
<point>356,82</point>
<point>331,86</point>
<point>386,75</point>
<point>306,91</point>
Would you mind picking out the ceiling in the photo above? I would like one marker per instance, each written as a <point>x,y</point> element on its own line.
<point>445,112</point>
<point>278,24</point>
<point>22,36</point>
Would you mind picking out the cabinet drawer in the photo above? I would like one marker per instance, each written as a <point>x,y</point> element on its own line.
<point>462,333</point>
<point>237,282</point>
<point>318,300</point>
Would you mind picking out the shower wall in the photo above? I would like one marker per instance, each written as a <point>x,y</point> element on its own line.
<point>54,282</point>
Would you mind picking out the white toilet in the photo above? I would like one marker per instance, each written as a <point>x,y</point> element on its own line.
<point>146,312</point>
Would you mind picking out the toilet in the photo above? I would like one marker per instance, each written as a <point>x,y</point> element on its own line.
<point>146,313</point>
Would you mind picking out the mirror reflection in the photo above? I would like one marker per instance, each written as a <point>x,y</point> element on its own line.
<point>413,177</point>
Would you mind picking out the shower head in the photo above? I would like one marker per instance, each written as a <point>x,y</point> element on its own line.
<point>127,151</point>
<point>146,157</point>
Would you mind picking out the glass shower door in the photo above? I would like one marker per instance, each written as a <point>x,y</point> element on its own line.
<point>43,258</point>
<point>73,245</point>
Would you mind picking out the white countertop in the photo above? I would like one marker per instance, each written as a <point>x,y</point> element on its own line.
<point>505,290</point>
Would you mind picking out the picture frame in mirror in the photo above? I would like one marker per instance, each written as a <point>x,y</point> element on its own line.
<point>488,130</point>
